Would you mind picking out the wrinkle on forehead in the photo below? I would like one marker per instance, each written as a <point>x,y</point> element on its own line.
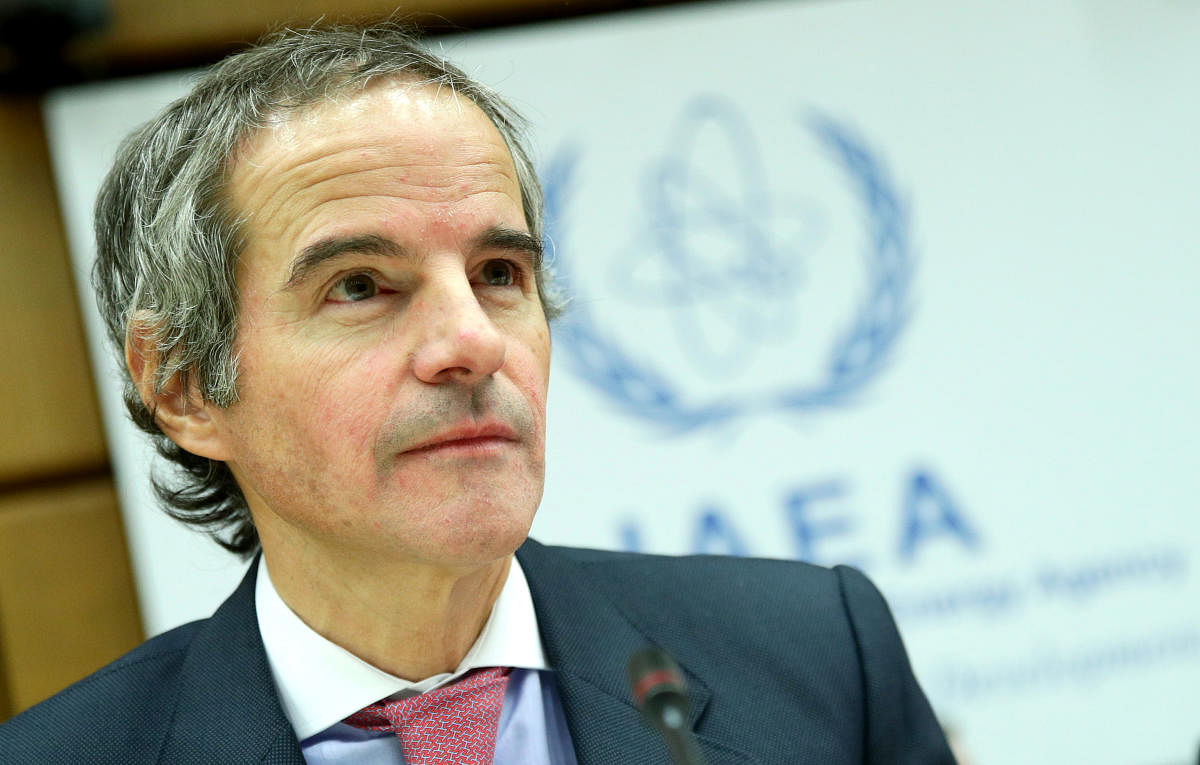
<point>318,182</point>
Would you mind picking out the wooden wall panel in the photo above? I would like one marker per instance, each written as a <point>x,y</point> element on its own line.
<point>67,603</point>
<point>49,421</point>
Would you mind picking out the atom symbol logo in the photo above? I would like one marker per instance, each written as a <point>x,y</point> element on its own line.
<point>729,259</point>
<point>714,247</point>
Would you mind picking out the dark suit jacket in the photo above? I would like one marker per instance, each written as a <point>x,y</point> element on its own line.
<point>785,663</point>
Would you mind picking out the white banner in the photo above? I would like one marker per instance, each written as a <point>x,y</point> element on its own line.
<point>903,284</point>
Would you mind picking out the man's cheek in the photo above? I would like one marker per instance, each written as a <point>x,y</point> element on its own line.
<point>340,375</point>
<point>346,421</point>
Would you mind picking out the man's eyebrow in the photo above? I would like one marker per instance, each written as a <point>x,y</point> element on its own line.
<point>499,238</point>
<point>312,256</point>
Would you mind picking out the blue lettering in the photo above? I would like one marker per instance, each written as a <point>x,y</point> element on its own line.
<point>631,536</point>
<point>807,528</point>
<point>715,534</point>
<point>929,512</point>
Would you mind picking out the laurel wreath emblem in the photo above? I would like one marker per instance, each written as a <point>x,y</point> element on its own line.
<point>857,355</point>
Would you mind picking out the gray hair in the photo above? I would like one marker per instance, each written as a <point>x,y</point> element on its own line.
<point>168,242</point>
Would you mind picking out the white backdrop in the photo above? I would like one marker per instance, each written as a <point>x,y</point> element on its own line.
<point>905,284</point>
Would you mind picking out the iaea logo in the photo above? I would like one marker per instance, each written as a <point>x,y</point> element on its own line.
<point>730,299</point>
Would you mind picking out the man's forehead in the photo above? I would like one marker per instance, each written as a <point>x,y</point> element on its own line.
<point>415,96</point>
<point>399,140</point>
<point>404,122</point>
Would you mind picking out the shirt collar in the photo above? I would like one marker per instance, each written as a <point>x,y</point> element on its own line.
<point>320,683</point>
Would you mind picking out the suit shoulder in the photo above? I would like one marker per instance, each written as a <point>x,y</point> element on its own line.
<point>720,574</point>
<point>118,704</point>
<point>822,640</point>
<point>712,594</point>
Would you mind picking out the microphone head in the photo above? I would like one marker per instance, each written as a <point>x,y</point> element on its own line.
<point>658,687</point>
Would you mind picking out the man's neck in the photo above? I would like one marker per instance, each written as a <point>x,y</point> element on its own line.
<point>411,620</point>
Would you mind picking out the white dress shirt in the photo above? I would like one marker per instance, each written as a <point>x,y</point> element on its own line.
<point>321,683</point>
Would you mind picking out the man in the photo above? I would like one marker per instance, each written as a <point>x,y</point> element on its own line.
<point>324,270</point>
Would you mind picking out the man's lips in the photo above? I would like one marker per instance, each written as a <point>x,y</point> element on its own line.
<point>471,437</point>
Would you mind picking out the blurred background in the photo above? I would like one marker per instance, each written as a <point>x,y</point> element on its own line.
<point>906,285</point>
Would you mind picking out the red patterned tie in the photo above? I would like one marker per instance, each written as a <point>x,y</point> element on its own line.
<point>455,724</point>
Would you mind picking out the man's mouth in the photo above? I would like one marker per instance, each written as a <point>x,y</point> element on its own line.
<point>481,439</point>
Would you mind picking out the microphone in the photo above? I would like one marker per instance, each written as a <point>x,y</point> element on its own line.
<point>660,695</point>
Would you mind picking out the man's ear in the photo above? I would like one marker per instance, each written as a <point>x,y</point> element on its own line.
<point>178,408</point>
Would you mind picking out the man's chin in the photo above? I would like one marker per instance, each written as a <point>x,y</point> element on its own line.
<point>478,545</point>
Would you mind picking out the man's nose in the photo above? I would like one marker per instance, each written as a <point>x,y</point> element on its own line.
<point>459,341</point>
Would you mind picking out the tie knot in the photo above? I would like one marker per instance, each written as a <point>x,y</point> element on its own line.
<point>454,723</point>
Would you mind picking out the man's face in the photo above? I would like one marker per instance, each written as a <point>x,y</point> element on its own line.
<point>393,354</point>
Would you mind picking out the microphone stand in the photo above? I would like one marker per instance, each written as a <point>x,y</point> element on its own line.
<point>660,694</point>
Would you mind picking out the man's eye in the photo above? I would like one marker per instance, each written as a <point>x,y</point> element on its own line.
<point>353,288</point>
<point>498,273</point>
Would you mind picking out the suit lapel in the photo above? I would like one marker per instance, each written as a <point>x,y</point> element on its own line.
<point>228,710</point>
<point>588,642</point>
